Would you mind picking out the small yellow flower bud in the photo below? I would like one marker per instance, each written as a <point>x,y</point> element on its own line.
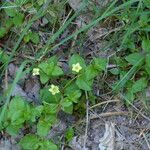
<point>54,89</point>
<point>76,67</point>
<point>36,71</point>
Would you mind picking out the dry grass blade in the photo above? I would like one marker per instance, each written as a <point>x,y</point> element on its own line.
<point>87,121</point>
<point>102,103</point>
<point>108,114</point>
<point>147,142</point>
<point>136,109</point>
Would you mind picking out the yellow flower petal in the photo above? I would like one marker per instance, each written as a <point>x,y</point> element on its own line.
<point>54,89</point>
<point>36,71</point>
<point>76,67</point>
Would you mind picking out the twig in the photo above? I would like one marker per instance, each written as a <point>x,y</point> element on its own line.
<point>137,115</point>
<point>104,34</point>
<point>146,141</point>
<point>28,57</point>
<point>113,30</point>
<point>95,114</point>
<point>109,101</point>
<point>113,135</point>
<point>6,79</point>
<point>141,133</point>
<point>136,109</point>
<point>9,52</point>
<point>107,114</point>
<point>67,17</point>
<point>73,43</point>
<point>87,121</point>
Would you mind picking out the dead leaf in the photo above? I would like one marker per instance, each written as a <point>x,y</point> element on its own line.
<point>107,141</point>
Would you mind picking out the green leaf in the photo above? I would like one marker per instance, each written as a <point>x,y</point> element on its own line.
<point>83,84</point>
<point>67,106</point>
<point>143,20</point>
<point>129,43</point>
<point>90,72</point>
<point>18,19</point>
<point>17,118</point>
<point>76,59</point>
<point>69,134</point>
<point>114,71</point>
<point>130,96</point>
<point>92,97</point>
<point>29,142</point>
<point>47,68</point>
<point>71,87</point>
<point>121,62</point>
<point>34,37</point>
<point>139,85</point>
<point>147,63</point>
<point>147,3</point>
<point>26,38</point>
<point>46,96</point>
<point>10,10</point>
<point>126,76</point>
<point>3,57</point>
<point>43,78</point>
<point>43,128</point>
<point>74,96</point>
<point>17,107</point>
<point>100,63</point>
<point>13,129</point>
<point>146,45</point>
<point>41,2</point>
<point>45,123</point>
<point>123,74</point>
<point>3,32</point>
<point>21,2</point>
<point>9,23</point>
<point>52,119</point>
<point>48,145</point>
<point>134,58</point>
<point>57,71</point>
<point>36,112</point>
<point>50,67</point>
<point>53,59</point>
<point>50,108</point>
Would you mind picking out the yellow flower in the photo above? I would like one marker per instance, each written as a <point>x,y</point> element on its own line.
<point>54,89</point>
<point>76,67</point>
<point>36,71</point>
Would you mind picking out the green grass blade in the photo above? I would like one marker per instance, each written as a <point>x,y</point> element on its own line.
<point>128,75</point>
<point>51,40</point>
<point>39,14</point>
<point>18,76</point>
<point>107,13</point>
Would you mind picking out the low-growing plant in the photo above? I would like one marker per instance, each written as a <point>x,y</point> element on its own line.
<point>133,56</point>
<point>133,81</point>
<point>55,97</point>
<point>18,13</point>
<point>67,90</point>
